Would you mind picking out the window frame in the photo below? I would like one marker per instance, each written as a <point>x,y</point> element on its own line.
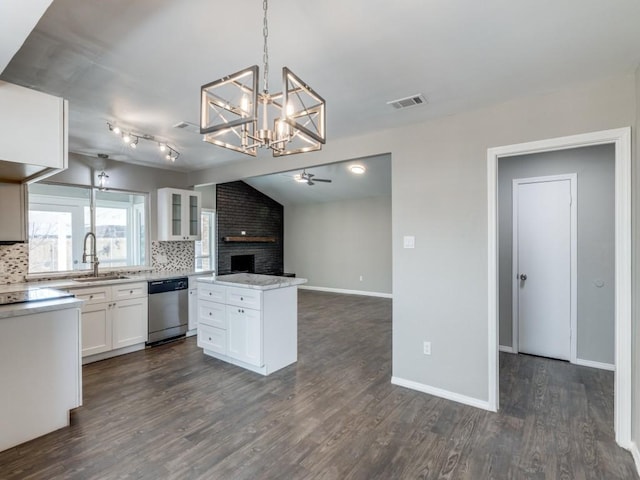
<point>212,243</point>
<point>92,227</point>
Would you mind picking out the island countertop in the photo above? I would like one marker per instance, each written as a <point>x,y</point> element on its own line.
<point>254,281</point>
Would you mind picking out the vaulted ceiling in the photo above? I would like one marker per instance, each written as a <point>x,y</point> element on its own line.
<point>140,63</point>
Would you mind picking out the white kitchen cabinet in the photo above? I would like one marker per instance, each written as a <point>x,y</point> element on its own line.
<point>254,329</point>
<point>244,335</point>
<point>129,320</point>
<point>178,214</point>
<point>40,369</point>
<point>13,214</point>
<point>34,133</point>
<point>212,339</point>
<point>193,311</point>
<point>113,318</point>
<point>96,328</point>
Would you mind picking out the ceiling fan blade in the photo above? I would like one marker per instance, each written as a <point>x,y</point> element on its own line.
<point>325,180</point>
<point>309,182</point>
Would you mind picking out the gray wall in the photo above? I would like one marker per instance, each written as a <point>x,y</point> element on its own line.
<point>332,244</point>
<point>208,196</point>
<point>439,194</point>
<point>595,167</point>
<point>83,170</point>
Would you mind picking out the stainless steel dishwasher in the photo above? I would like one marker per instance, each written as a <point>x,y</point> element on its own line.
<point>168,309</point>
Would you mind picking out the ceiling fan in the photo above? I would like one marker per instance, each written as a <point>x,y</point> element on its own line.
<point>309,178</point>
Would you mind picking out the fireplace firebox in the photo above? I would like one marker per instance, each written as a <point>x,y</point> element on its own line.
<point>243,264</point>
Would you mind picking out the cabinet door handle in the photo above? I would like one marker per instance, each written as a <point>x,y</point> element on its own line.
<point>242,298</point>
<point>209,313</point>
<point>130,291</point>
<point>90,297</point>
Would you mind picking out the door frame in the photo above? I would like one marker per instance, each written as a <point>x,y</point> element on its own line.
<point>573,273</point>
<point>621,139</point>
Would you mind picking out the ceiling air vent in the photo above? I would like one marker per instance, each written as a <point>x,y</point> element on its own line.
<point>408,101</point>
<point>188,126</point>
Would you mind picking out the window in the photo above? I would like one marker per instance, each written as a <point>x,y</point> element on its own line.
<point>60,217</point>
<point>205,248</point>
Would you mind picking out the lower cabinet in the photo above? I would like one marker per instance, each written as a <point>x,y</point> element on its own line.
<point>109,325</point>
<point>129,322</point>
<point>244,335</point>
<point>250,328</point>
<point>96,328</point>
<point>193,309</point>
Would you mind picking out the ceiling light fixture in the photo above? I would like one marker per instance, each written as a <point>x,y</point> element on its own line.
<point>231,108</point>
<point>102,180</point>
<point>132,140</point>
<point>357,169</point>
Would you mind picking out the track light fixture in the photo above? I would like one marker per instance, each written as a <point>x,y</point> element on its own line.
<point>132,139</point>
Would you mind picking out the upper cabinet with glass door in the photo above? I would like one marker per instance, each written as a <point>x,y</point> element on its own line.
<point>178,214</point>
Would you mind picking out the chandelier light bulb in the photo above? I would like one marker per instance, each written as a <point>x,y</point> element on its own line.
<point>244,103</point>
<point>126,138</point>
<point>116,130</point>
<point>163,147</point>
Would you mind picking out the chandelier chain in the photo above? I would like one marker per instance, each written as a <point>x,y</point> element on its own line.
<point>265,53</point>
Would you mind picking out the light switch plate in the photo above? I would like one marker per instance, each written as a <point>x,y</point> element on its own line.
<point>409,241</point>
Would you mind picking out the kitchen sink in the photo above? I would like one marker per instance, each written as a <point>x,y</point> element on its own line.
<point>98,279</point>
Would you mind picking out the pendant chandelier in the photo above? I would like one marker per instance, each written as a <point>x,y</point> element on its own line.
<point>234,114</point>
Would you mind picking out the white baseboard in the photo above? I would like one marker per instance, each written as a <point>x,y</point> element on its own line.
<point>113,353</point>
<point>592,364</point>
<point>504,348</point>
<point>438,392</point>
<point>636,455</point>
<point>346,292</point>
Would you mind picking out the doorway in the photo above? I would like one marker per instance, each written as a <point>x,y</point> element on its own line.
<point>544,279</point>
<point>621,139</point>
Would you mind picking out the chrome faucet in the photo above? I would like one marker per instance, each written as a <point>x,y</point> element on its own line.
<point>92,253</point>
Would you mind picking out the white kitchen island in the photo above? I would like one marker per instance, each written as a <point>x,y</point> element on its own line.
<point>40,368</point>
<point>249,320</point>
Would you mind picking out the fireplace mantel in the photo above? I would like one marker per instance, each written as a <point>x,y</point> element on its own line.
<point>247,239</point>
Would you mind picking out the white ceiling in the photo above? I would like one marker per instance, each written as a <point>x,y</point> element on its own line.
<point>140,63</point>
<point>284,189</point>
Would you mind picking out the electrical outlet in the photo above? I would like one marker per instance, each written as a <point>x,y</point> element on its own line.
<point>360,277</point>
<point>161,259</point>
<point>426,348</point>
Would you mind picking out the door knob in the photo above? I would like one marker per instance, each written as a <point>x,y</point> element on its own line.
<point>523,277</point>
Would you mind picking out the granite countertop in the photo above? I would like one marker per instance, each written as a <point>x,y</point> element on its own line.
<point>19,309</point>
<point>69,283</point>
<point>254,281</point>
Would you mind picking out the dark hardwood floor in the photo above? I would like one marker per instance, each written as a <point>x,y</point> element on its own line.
<point>172,413</point>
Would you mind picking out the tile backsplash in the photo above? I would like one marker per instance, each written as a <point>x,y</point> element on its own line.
<point>172,255</point>
<point>165,256</point>
<point>14,263</point>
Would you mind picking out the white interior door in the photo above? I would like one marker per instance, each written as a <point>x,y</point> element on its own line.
<point>544,251</point>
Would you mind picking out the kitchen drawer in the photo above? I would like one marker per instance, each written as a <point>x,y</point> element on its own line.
<point>212,339</point>
<point>130,290</point>
<point>214,293</point>
<point>212,314</point>
<point>93,294</point>
<point>244,297</point>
